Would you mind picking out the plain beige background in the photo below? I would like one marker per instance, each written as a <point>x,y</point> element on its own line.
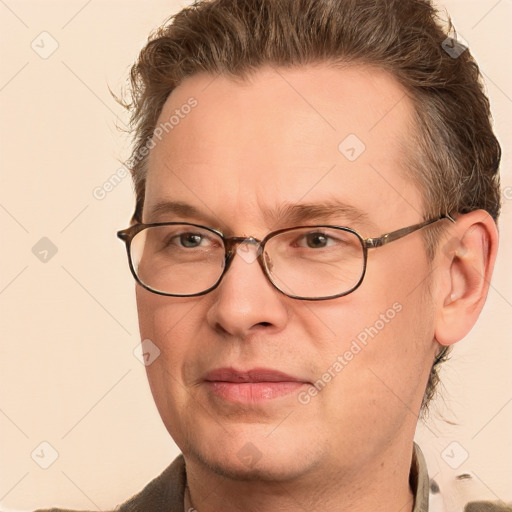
<point>69,376</point>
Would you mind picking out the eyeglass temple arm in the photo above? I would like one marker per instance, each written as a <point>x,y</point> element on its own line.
<point>399,233</point>
<point>123,235</point>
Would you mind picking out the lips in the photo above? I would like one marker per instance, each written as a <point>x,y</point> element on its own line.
<point>252,375</point>
<point>251,386</point>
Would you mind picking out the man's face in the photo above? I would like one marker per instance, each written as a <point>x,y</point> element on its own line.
<point>244,153</point>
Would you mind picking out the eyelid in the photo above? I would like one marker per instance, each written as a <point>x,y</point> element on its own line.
<point>330,233</point>
<point>190,223</point>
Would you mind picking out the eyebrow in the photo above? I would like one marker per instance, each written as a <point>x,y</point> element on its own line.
<point>285,215</point>
<point>180,209</point>
<point>295,214</point>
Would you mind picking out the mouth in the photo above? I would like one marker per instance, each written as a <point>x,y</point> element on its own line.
<point>255,385</point>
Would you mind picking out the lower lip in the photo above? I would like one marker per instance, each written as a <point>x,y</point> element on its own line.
<point>251,392</point>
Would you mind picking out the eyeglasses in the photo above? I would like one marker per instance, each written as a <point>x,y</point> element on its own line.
<point>180,259</point>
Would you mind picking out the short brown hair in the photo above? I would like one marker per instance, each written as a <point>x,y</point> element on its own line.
<point>454,154</point>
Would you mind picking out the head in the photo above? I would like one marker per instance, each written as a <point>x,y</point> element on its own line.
<point>245,110</point>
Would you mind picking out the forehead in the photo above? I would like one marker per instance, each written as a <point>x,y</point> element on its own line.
<point>284,136</point>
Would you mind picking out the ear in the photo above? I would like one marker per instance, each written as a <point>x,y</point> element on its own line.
<point>465,261</point>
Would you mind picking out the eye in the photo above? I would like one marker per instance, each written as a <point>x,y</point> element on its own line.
<point>317,240</point>
<point>190,240</point>
<point>182,238</point>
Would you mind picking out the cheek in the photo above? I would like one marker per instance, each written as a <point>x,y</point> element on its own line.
<point>171,325</point>
<point>382,345</point>
<point>146,303</point>
<point>163,318</point>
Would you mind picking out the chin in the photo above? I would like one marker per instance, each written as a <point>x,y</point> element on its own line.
<point>249,458</point>
<point>234,469</point>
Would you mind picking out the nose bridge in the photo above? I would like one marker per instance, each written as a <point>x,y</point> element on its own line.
<point>246,299</point>
<point>241,247</point>
<point>235,241</point>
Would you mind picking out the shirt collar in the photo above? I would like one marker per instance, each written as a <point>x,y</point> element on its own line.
<point>419,480</point>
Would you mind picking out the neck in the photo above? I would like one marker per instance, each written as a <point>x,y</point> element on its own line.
<point>381,485</point>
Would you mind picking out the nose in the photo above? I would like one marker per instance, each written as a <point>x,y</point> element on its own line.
<point>245,301</point>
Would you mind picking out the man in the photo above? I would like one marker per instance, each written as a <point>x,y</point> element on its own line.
<point>317,196</point>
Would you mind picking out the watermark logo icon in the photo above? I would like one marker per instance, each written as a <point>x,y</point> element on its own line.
<point>248,250</point>
<point>146,352</point>
<point>351,147</point>
<point>455,47</point>
<point>45,45</point>
<point>249,455</point>
<point>44,250</point>
<point>455,455</point>
<point>44,455</point>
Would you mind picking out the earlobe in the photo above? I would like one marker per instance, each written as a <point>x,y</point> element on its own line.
<point>465,261</point>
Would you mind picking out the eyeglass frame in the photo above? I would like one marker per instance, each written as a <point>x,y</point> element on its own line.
<point>128,234</point>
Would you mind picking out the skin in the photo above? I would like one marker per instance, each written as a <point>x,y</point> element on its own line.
<point>258,145</point>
